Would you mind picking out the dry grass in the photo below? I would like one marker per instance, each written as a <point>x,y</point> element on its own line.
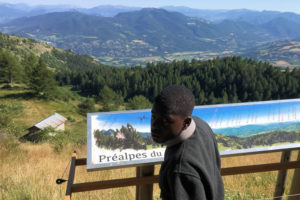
<point>29,172</point>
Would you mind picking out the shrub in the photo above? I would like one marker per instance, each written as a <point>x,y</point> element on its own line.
<point>87,106</point>
<point>139,102</point>
<point>57,138</point>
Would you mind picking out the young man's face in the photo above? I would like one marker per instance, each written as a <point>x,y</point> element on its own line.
<point>165,126</point>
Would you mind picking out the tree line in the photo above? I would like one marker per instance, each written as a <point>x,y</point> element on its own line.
<point>221,80</point>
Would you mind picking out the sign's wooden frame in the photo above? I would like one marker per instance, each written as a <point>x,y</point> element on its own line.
<point>145,175</point>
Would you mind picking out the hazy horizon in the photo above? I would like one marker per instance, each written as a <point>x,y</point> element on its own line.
<point>257,5</point>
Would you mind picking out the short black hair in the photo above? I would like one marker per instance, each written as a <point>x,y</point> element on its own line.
<point>175,99</point>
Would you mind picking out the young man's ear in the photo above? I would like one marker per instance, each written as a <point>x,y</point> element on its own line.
<point>186,122</point>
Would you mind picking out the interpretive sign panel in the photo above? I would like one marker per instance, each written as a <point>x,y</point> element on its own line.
<point>123,138</point>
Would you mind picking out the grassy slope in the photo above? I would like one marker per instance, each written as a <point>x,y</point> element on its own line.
<point>28,46</point>
<point>36,110</point>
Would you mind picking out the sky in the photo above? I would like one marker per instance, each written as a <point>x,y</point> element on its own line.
<point>275,5</point>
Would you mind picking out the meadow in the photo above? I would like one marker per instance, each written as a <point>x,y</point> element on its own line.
<point>29,171</point>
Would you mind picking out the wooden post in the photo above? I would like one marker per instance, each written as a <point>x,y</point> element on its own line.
<point>144,192</point>
<point>281,177</point>
<point>71,177</point>
<point>137,188</point>
<point>295,186</point>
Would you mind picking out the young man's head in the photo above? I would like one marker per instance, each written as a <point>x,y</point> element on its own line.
<point>171,112</point>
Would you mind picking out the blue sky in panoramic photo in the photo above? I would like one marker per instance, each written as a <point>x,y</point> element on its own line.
<point>276,5</point>
<point>218,116</point>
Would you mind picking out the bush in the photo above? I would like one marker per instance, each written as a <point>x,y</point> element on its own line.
<point>62,138</point>
<point>87,106</point>
<point>57,138</point>
<point>139,102</point>
<point>39,136</point>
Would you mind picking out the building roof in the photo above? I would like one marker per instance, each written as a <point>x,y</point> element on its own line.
<point>52,121</point>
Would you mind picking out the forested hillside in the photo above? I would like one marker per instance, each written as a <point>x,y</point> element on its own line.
<point>221,80</point>
<point>34,65</point>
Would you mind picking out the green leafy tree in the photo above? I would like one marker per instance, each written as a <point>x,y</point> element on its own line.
<point>224,97</point>
<point>87,106</point>
<point>42,81</point>
<point>109,99</point>
<point>29,63</point>
<point>10,69</point>
<point>139,102</point>
<point>211,98</point>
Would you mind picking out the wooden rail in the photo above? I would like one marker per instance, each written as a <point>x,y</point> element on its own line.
<point>145,174</point>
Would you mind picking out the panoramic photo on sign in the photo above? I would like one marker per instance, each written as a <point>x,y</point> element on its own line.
<point>124,138</point>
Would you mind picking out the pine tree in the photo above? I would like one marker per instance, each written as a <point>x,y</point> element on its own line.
<point>109,99</point>
<point>211,98</point>
<point>10,69</point>
<point>42,81</point>
<point>87,106</point>
<point>29,63</point>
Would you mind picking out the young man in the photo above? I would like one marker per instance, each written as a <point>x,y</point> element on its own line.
<point>191,167</point>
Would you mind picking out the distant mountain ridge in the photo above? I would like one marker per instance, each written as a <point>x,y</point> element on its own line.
<point>250,130</point>
<point>107,10</point>
<point>149,32</point>
<point>12,11</point>
<point>249,16</point>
